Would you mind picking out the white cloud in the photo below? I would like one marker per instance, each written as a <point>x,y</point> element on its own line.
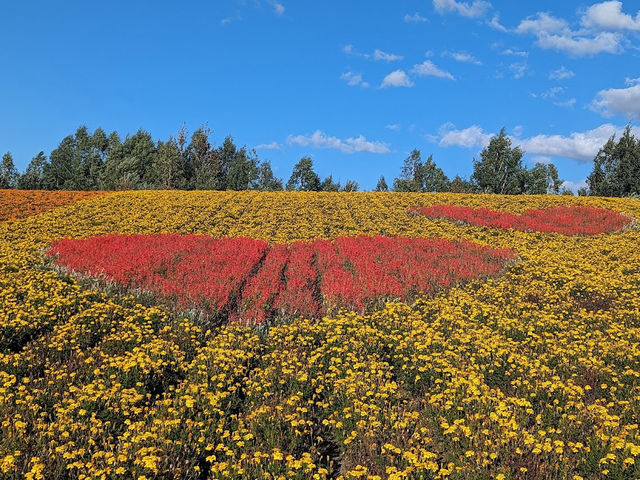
<point>554,34</point>
<point>622,101</point>
<point>567,103</point>
<point>579,146</point>
<point>427,68</point>
<point>574,186</point>
<point>225,21</point>
<point>470,137</point>
<point>519,69</point>
<point>393,126</point>
<point>604,42</point>
<point>517,130</point>
<point>387,57</point>
<point>495,24</point>
<point>354,79</point>
<point>462,57</point>
<point>268,146</point>
<point>397,78</point>
<point>561,73</point>
<point>515,53</point>
<point>475,9</point>
<point>415,18</point>
<point>552,92</point>
<point>543,22</point>
<point>376,55</point>
<point>609,16</point>
<point>278,8</point>
<point>349,145</point>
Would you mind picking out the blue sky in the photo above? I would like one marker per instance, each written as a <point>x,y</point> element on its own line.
<point>355,85</point>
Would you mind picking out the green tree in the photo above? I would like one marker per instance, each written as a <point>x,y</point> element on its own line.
<point>8,172</point>
<point>417,176</point>
<point>461,185</point>
<point>382,186</point>
<point>542,179</point>
<point>303,177</point>
<point>616,167</point>
<point>202,161</point>
<point>499,169</point>
<point>350,186</point>
<point>168,169</point>
<point>129,164</point>
<point>329,185</point>
<point>33,177</point>
<point>243,170</point>
<point>266,179</point>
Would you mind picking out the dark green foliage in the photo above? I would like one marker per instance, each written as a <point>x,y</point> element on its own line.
<point>266,180</point>
<point>350,186</point>
<point>499,169</point>
<point>542,179</point>
<point>616,167</point>
<point>33,177</point>
<point>417,176</point>
<point>303,177</point>
<point>328,185</point>
<point>8,172</point>
<point>382,186</point>
<point>461,185</point>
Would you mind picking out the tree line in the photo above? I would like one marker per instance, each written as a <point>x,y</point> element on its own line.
<point>97,161</point>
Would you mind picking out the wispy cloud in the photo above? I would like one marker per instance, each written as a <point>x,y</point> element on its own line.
<point>428,68</point>
<point>393,126</point>
<point>387,57</point>
<point>415,18</point>
<point>376,55</point>
<point>463,57</point>
<point>357,144</point>
<point>397,78</point>
<point>475,9</point>
<point>354,79</point>
<point>561,73</point>
<point>268,146</point>
<point>278,8</point>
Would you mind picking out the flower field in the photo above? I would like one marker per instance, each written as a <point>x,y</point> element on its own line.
<point>531,370</point>
<point>16,204</point>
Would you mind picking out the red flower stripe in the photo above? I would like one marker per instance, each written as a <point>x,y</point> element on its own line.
<point>563,219</point>
<point>252,282</point>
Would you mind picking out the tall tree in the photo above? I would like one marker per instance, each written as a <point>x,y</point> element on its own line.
<point>202,162</point>
<point>8,172</point>
<point>417,176</point>
<point>168,169</point>
<point>303,177</point>
<point>60,173</point>
<point>542,179</point>
<point>33,177</point>
<point>461,185</point>
<point>129,164</point>
<point>266,179</point>
<point>350,186</point>
<point>499,169</point>
<point>616,167</point>
<point>243,171</point>
<point>382,186</point>
<point>329,185</point>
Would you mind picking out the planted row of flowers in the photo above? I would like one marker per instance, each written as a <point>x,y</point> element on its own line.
<point>567,220</point>
<point>253,282</point>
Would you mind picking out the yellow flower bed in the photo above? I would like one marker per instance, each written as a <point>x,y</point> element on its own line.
<point>535,374</point>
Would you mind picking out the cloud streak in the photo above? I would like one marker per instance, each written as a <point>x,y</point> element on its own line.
<point>319,139</point>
